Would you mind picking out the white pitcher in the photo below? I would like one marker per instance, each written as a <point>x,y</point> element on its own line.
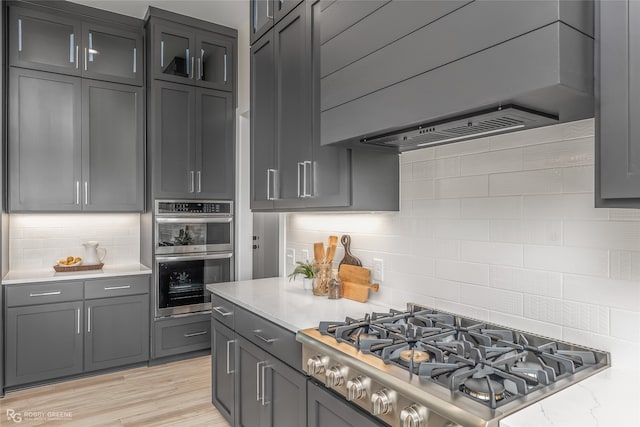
<point>91,256</point>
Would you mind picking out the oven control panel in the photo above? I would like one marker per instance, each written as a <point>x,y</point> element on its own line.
<point>172,207</point>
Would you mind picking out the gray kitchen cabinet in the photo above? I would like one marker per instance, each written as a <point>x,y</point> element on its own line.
<point>112,148</point>
<point>43,342</point>
<point>63,42</point>
<point>285,394</point>
<point>617,70</point>
<point>264,13</point>
<point>326,410</point>
<point>117,331</point>
<point>193,149</point>
<point>185,53</point>
<point>74,144</point>
<point>44,141</point>
<point>181,335</point>
<point>250,365</point>
<point>223,344</point>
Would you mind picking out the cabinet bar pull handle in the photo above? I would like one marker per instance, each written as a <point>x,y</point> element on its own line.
<point>72,43</point>
<point>162,54</point>
<point>77,54</point>
<point>193,74</point>
<point>20,35</point>
<point>199,68</point>
<point>78,321</point>
<point>258,379</point>
<point>199,175</point>
<point>77,192</point>
<point>89,319</point>
<point>195,334</point>
<point>271,184</point>
<point>135,60</point>
<point>191,173</point>
<point>219,310</point>
<point>268,16</point>
<point>85,59</point>
<point>45,294</point>
<point>225,67</point>
<point>264,380</point>
<point>186,58</point>
<point>256,334</point>
<point>86,192</point>
<point>229,370</point>
<point>113,288</point>
<point>305,184</point>
<point>300,165</point>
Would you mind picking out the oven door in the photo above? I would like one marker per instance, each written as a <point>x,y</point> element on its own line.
<point>181,281</point>
<point>177,235</point>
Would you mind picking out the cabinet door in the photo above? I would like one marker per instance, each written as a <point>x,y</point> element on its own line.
<point>117,332</point>
<point>173,140</point>
<point>174,58</point>
<point>214,161</point>
<point>112,147</point>
<point>285,395</point>
<point>223,369</point>
<point>44,41</point>
<point>44,141</point>
<point>214,62</point>
<point>263,167</point>
<point>112,54</point>
<point>326,410</point>
<point>43,342</point>
<point>292,104</point>
<point>282,7</point>
<point>261,12</point>
<point>618,90</point>
<point>250,364</point>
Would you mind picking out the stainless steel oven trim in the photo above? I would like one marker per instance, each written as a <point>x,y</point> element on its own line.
<point>195,220</point>
<point>193,308</point>
<point>193,248</point>
<point>191,215</point>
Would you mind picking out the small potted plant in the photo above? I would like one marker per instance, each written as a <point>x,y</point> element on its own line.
<point>304,269</point>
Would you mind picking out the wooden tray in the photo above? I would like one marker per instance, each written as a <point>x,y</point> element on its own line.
<point>61,269</point>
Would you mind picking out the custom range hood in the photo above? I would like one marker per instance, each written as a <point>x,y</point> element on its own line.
<point>503,119</point>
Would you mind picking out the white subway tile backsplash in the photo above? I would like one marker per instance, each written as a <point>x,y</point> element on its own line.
<point>593,262</point>
<point>472,186</point>
<point>502,229</point>
<point>546,181</point>
<point>491,162</point>
<point>465,272</point>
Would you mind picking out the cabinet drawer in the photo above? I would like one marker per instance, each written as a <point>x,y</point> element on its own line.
<point>222,310</point>
<point>177,336</point>
<point>116,287</point>
<point>44,293</point>
<point>276,340</point>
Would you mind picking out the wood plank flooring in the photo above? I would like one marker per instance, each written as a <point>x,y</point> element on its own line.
<point>174,394</point>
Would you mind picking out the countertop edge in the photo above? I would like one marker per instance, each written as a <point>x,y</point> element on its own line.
<point>49,275</point>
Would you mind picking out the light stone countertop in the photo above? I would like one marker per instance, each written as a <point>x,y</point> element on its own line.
<point>50,275</point>
<point>608,399</point>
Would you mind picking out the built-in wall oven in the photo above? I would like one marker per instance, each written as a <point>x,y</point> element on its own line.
<point>193,247</point>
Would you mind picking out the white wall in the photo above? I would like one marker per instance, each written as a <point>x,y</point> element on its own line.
<point>38,241</point>
<point>503,229</point>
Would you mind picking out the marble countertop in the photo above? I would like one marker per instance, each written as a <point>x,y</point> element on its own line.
<point>610,398</point>
<point>50,275</point>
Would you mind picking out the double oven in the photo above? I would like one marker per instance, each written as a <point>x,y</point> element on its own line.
<point>193,247</point>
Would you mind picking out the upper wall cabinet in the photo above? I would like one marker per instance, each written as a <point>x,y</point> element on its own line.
<point>265,13</point>
<point>618,110</point>
<point>186,55</point>
<point>62,43</point>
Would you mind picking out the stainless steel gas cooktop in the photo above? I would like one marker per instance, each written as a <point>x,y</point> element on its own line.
<point>427,368</point>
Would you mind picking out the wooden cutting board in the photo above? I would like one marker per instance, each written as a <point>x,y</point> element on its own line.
<point>358,292</point>
<point>354,274</point>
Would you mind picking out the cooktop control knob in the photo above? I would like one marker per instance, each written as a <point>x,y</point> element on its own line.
<point>355,389</point>
<point>411,417</point>
<point>381,402</point>
<point>334,377</point>
<point>315,366</point>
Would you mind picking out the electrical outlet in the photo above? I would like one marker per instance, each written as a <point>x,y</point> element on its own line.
<point>378,270</point>
<point>304,255</point>
<point>291,256</point>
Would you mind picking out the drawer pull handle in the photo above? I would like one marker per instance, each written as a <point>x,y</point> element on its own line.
<point>45,294</point>
<point>221,312</point>
<point>195,334</point>
<point>258,387</point>
<point>256,334</point>
<point>113,288</point>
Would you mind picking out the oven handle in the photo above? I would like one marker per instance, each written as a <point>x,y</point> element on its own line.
<point>222,255</point>
<point>194,220</point>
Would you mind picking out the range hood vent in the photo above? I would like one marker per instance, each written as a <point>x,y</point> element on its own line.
<point>494,121</point>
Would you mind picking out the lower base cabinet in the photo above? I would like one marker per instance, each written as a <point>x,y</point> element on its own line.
<point>59,329</point>
<point>326,410</point>
<point>179,335</point>
<point>223,369</point>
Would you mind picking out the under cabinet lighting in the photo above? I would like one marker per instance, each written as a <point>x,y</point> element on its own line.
<point>474,135</point>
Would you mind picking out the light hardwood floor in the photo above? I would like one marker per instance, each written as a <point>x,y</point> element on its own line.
<point>174,394</point>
